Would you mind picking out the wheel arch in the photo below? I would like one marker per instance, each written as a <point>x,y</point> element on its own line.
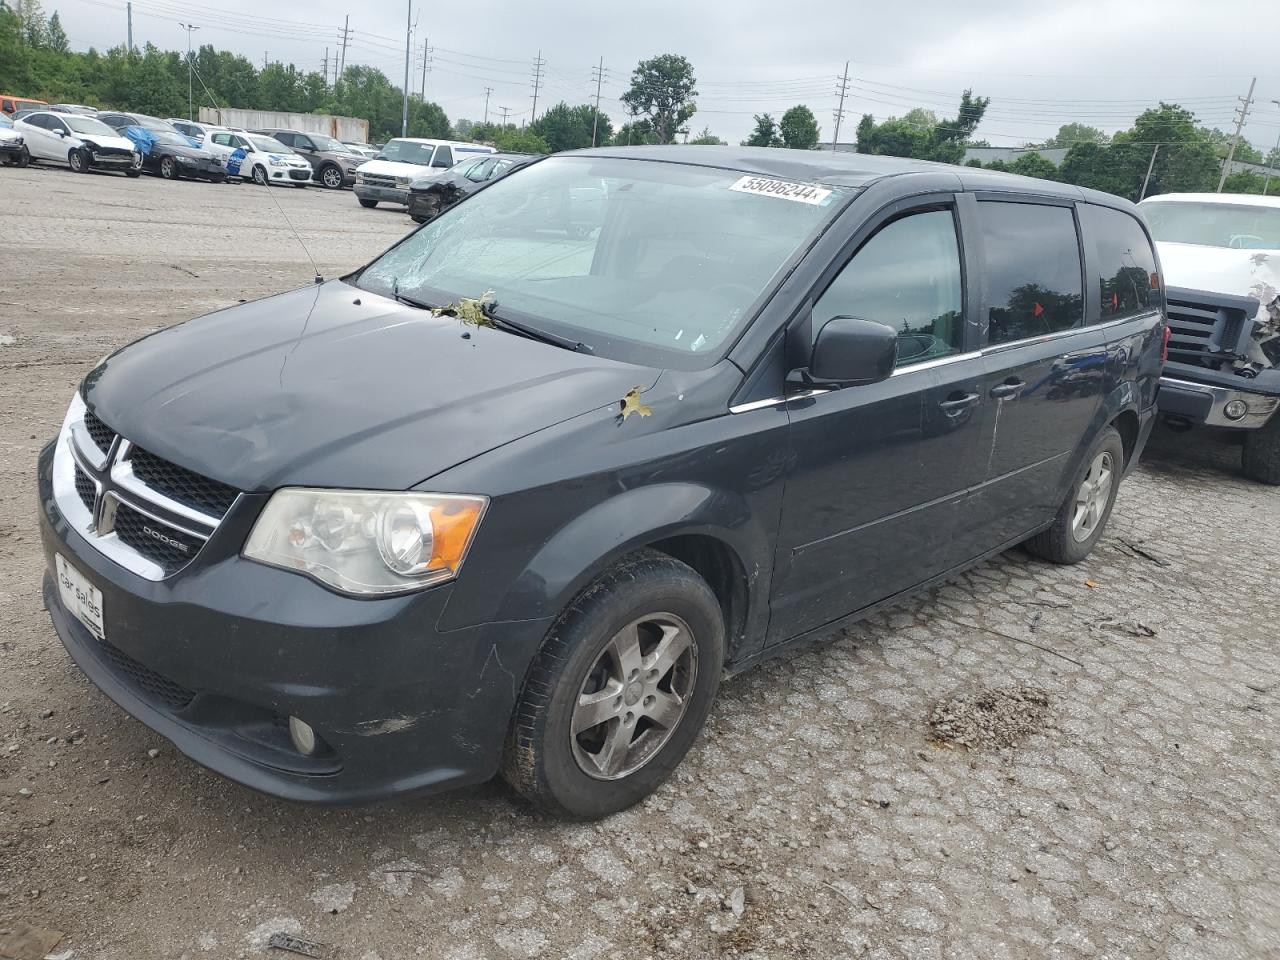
<point>710,530</point>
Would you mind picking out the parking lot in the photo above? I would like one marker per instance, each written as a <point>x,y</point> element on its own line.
<point>1118,795</point>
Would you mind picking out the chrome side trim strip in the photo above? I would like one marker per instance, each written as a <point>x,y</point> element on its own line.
<point>775,401</point>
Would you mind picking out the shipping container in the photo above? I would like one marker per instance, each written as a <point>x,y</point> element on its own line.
<point>346,129</point>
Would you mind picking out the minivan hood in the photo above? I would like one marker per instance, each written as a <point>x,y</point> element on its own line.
<point>393,168</point>
<point>333,386</point>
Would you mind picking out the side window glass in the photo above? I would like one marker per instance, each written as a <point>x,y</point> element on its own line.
<point>907,276</point>
<point>443,157</point>
<point>222,139</point>
<point>1127,280</point>
<point>302,143</point>
<point>1033,277</point>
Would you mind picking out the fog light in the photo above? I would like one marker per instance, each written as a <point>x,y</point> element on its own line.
<point>304,738</point>
<point>1235,410</point>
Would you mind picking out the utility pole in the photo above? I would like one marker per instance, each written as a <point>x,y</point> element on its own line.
<point>505,111</point>
<point>1267,181</point>
<point>325,72</point>
<point>426,65</point>
<point>129,13</point>
<point>264,59</point>
<point>1243,112</point>
<point>1147,178</point>
<point>844,89</point>
<point>595,119</point>
<point>190,29</point>
<point>342,59</point>
<point>487,91</point>
<point>408,34</point>
<point>538,65</point>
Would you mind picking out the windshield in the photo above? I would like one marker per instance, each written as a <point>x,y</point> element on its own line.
<point>1215,224</point>
<point>406,151</point>
<point>268,145</point>
<point>328,143</point>
<point>629,257</point>
<point>88,125</point>
<point>168,136</point>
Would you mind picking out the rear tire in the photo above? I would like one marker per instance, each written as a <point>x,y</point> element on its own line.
<point>1261,456</point>
<point>633,665</point>
<point>368,203</point>
<point>1083,516</point>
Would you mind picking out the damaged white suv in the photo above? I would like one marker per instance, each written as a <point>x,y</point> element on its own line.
<point>1221,259</point>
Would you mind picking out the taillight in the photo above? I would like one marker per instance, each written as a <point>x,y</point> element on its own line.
<point>1164,353</point>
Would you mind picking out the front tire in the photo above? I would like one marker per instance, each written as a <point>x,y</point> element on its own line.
<point>1083,516</point>
<point>260,177</point>
<point>369,204</point>
<point>619,691</point>
<point>331,177</point>
<point>169,168</point>
<point>78,160</point>
<point>1261,456</point>
<point>133,174</point>
<point>22,159</point>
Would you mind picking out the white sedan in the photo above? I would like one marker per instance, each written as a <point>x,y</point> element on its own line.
<point>263,160</point>
<point>82,143</point>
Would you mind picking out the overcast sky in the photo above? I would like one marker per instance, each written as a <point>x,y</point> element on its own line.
<point>1096,62</point>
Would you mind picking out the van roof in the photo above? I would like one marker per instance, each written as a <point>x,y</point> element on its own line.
<point>448,143</point>
<point>1235,199</point>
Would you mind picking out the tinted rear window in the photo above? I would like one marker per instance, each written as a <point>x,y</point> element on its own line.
<point>1127,280</point>
<point>1034,284</point>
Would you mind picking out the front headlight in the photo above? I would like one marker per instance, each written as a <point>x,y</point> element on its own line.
<point>402,181</point>
<point>277,162</point>
<point>367,543</point>
<point>186,161</point>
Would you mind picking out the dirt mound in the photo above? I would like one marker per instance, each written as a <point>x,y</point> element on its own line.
<point>999,717</point>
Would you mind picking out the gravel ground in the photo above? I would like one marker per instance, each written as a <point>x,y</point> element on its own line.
<point>1028,762</point>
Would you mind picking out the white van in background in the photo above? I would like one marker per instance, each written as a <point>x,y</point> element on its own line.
<point>386,178</point>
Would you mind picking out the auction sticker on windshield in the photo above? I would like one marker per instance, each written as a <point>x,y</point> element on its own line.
<point>782,189</point>
<point>80,596</point>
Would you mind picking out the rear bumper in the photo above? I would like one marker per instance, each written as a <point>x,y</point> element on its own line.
<point>1207,403</point>
<point>216,658</point>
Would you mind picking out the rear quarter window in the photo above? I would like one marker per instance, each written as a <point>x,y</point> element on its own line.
<point>1127,282</point>
<point>1034,280</point>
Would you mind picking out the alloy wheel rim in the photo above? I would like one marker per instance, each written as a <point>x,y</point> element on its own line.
<point>166,167</point>
<point>634,696</point>
<point>1092,496</point>
<point>332,178</point>
<point>77,162</point>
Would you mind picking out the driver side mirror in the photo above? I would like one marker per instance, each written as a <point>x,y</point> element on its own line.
<point>849,351</point>
<point>59,131</point>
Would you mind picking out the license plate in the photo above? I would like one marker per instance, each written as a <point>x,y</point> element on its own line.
<point>80,596</point>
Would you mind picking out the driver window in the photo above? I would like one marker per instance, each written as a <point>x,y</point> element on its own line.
<point>1034,280</point>
<point>907,276</point>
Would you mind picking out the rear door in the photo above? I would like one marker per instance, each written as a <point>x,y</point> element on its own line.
<point>1044,367</point>
<point>881,472</point>
<point>37,130</point>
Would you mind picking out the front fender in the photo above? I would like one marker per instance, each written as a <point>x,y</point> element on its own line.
<point>599,537</point>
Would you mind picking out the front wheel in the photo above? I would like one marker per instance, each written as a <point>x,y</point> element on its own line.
<point>370,204</point>
<point>78,160</point>
<point>21,159</point>
<point>169,168</point>
<point>133,174</point>
<point>619,691</point>
<point>260,176</point>
<point>1083,516</point>
<point>331,177</point>
<point>1261,457</point>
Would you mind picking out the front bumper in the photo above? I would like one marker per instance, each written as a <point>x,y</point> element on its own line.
<point>1206,403</point>
<point>382,194</point>
<point>11,147</point>
<point>423,205</point>
<point>217,656</point>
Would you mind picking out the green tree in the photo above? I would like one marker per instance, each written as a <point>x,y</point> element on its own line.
<point>511,139</point>
<point>1034,165</point>
<point>917,135</point>
<point>34,30</point>
<point>765,133</point>
<point>570,128</point>
<point>799,128</point>
<point>55,36</point>
<point>662,91</point>
<point>707,138</point>
<point>1246,181</point>
<point>1069,134</point>
<point>635,133</point>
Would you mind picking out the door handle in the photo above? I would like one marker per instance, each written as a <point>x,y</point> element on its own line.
<point>1006,390</point>
<point>957,404</point>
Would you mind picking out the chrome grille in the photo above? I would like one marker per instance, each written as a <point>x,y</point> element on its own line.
<point>150,516</point>
<point>185,486</point>
<point>378,180</point>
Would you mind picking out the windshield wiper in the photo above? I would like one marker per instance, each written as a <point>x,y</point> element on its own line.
<point>533,333</point>
<point>503,323</point>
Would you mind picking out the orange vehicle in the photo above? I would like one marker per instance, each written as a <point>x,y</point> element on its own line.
<point>10,104</point>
